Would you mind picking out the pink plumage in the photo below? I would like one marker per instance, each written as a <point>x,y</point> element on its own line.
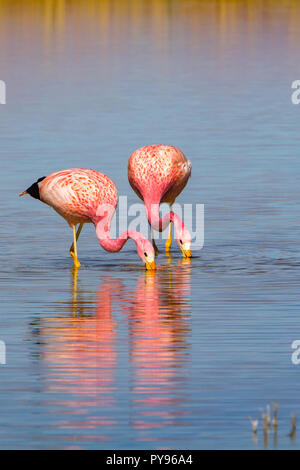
<point>158,173</point>
<point>77,193</point>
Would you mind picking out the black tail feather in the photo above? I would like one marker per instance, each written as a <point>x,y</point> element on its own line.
<point>34,189</point>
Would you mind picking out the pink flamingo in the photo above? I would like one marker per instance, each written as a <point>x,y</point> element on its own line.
<point>158,173</point>
<point>86,196</point>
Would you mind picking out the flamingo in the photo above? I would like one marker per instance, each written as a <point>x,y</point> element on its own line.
<point>158,173</point>
<point>82,196</point>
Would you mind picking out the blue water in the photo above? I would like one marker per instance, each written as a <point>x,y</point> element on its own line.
<point>112,357</point>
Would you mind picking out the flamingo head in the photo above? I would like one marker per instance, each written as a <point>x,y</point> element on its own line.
<point>146,253</point>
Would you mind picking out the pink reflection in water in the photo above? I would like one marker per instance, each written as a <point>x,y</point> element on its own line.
<point>159,325</point>
<point>80,350</point>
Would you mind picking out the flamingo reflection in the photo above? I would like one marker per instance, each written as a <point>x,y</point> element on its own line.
<point>81,353</point>
<point>80,348</point>
<point>159,325</point>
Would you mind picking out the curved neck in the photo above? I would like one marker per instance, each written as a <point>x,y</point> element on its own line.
<point>105,240</point>
<point>102,221</point>
<point>160,224</point>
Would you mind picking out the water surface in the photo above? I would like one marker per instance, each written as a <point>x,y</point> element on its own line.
<point>110,356</point>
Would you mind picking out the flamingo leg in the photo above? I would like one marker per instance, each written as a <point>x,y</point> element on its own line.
<point>74,272</point>
<point>77,236</point>
<point>156,250</point>
<point>73,253</point>
<point>169,241</point>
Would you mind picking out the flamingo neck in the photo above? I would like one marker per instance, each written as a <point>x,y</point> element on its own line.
<point>158,223</point>
<point>105,240</point>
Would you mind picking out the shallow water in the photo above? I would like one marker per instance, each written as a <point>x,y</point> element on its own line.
<point>111,356</point>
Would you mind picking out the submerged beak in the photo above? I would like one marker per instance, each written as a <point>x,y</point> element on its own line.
<point>23,193</point>
<point>150,266</point>
<point>186,253</point>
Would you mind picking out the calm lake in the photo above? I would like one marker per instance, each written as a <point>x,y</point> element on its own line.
<point>109,356</point>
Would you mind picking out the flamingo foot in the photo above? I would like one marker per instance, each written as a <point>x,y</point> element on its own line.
<point>168,245</point>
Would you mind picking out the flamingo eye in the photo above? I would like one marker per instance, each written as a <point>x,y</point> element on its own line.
<point>145,254</point>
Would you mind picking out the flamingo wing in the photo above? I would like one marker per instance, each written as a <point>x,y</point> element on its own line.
<point>76,193</point>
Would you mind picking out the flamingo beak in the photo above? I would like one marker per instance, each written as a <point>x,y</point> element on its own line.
<point>186,252</point>
<point>23,193</point>
<point>150,265</point>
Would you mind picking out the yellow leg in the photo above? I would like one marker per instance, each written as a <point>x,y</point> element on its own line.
<point>73,253</point>
<point>77,236</point>
<point>74,272</point>
<point>153,243</point>
<point>169,241</point>
<point>169,256</point>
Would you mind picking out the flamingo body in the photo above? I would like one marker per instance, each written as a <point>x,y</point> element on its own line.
<point>77,193</point>
<point>158,172</point>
